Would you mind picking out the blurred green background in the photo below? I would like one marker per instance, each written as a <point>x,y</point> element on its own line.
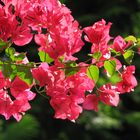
<point>110,123</point>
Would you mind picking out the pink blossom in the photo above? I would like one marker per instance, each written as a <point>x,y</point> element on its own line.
<point>58,85</point>
<point>14,102</point>
<point>42,74</point>
<point>13,20</point>
<point>22,35</point>
<point>119,45</point>
<point>91,102</point>
<point>20,89</point>
<point>16,33</point>
<point>49,45</point>
<point>19,107</point>
<point>78,84</point>
<point>65,108</point>
<point>2,80</point>
<point>67,93</point>
<point>98,35</point>
<point>109,95</point>
<point>5,104</point>
<point>129,81</point>
<point>63,37</point>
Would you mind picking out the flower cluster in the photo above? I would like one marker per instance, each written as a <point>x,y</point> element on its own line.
<point>14,97</point>
<point>70,86</point>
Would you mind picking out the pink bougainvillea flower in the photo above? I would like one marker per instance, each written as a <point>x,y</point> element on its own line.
<point>42,74</point>
<point>65,108</point>
<point>14,102</point>
<point>78,84</point>
<point>61,101</point>
<point>49,45</point>
<point>119,45</point>
<point>22,35</point>
<point>109,95</point>
<point>19,107</point>
<point>39,13</point>
<point>63,37</point>
<point>20,89</point>
<point>5,23</point>
<point>13,20</point>
<point>61,42</point>
<point>2,80</point>
<point>91,102</point>
<point>67,93</point>
<point>58,85</point>
<point>129,81</point>
<point>98,35</point>
<point>5,104</point>
<point>59,35</point>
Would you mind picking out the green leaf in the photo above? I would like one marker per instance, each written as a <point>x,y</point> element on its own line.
<point>115,52</point>
<point>115,78</point>
<point>44,57</point>
<point>10,53</point>
<point>110,66</point>
<point>97,55</point>
<point>7,69</point>
<point>131,38</point>
<point>25,73</point>
<point>128,56</point>
<point>93,72</point>
<point>71,68</point>
<point>11,71</point>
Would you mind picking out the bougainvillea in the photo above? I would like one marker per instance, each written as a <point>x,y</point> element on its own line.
<point>70,85</point>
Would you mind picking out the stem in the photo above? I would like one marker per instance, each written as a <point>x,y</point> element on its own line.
<point>40,92</point>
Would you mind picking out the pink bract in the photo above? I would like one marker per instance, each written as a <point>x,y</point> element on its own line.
<point>109,95</point>
<point>58,35</point>
<point>128,82</point>
<point>119,45</point>
<point>14,102</point>
<point>91,102</point>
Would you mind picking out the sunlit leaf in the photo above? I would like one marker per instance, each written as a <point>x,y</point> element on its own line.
<point>44,57</point>
<point>131,38</point>
<point>93,72</point>
<point>97,55</point>
<point>110,66</point>
<point>128,56</point>
<point>24,72</point>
